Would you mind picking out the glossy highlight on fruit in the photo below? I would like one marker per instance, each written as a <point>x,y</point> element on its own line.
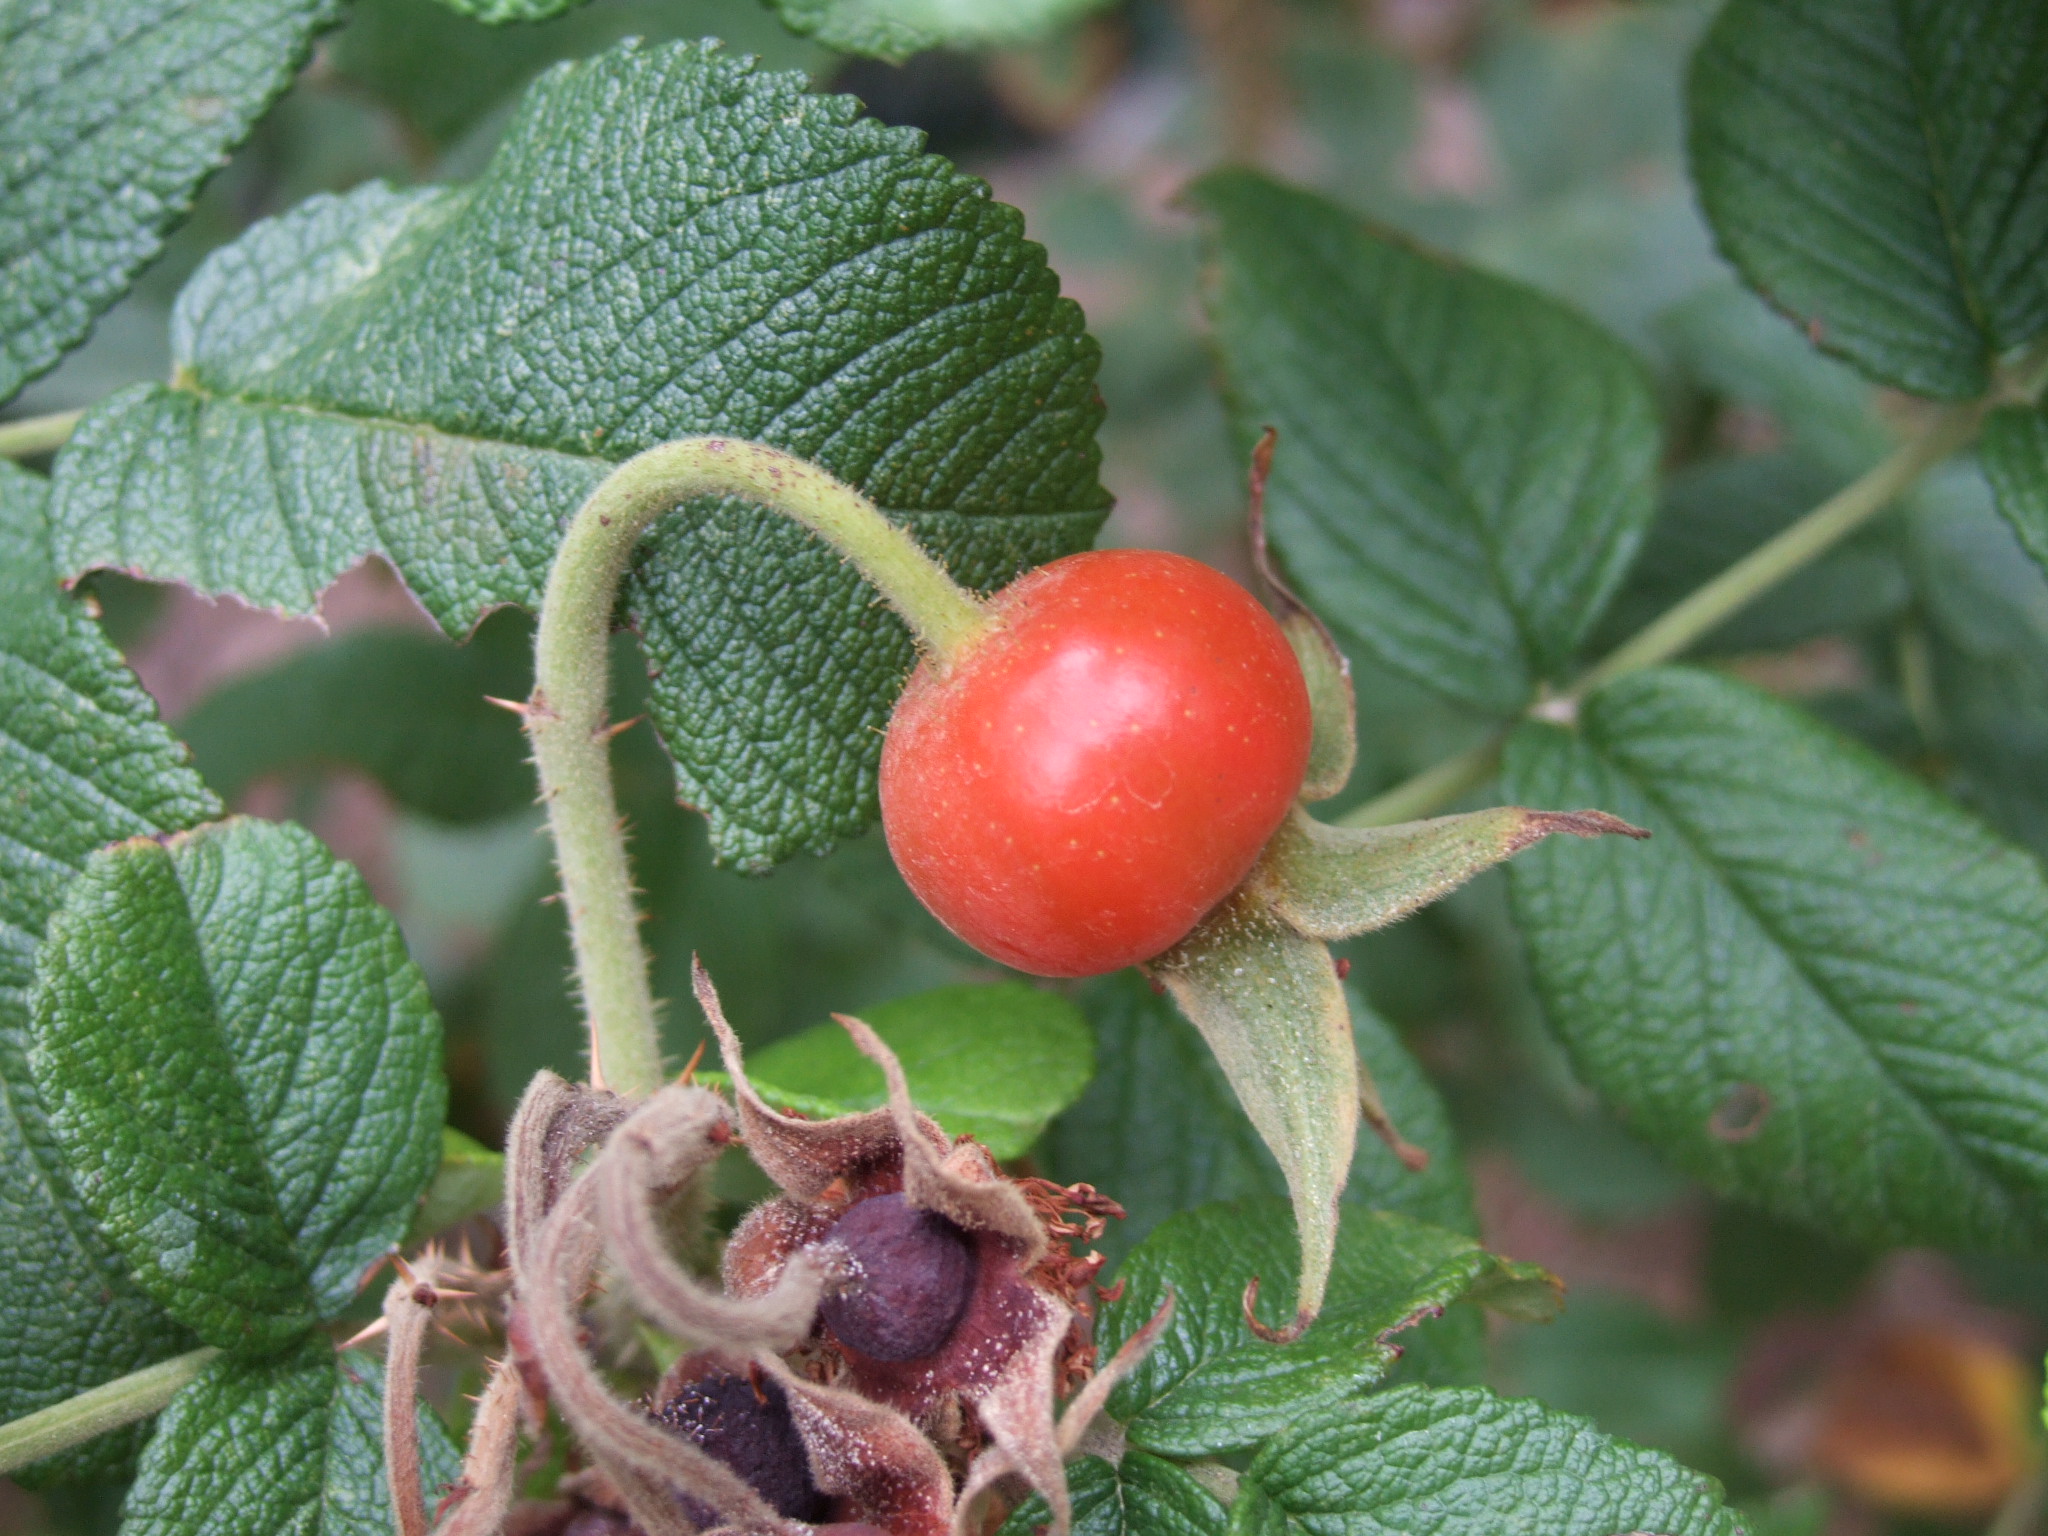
<point>902,1279</point>
<point>1084,782</point>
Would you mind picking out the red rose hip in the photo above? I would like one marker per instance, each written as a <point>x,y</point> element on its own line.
<point>1082,783</point>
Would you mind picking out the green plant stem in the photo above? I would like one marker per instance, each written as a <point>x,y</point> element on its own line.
<point>35,435</point>
<point>1430,790</point>
<point>1812,536</point>
<point>97,1412</point>
<point>566,717</point>
<point>1700,613</point>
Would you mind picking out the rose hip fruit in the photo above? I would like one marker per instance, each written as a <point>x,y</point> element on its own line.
<point>902,1279</point>
<point>1081,784</point>
<point>744,1422</point>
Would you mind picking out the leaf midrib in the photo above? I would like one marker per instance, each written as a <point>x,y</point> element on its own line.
<point>1691,841</point>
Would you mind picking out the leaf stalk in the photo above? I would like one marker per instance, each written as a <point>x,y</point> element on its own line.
<point>33,436</point>
<point>99,1411</point>
<point>566,716</point>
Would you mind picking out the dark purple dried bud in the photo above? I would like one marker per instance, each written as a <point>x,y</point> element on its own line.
<point>744,1422</point>
<point>902,1277</point>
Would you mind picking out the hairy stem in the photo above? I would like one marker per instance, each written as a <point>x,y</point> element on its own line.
<point>1705,609</point>
<point>566,716</point>
<point>1806,540</point>
<point>97,1412</point>
<point>35,435</point>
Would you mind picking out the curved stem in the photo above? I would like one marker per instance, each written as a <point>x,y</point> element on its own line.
<point>566,717</point>
<point>32,436</point>
<point>97,1412</point>
<point>1430,790</point>
<point>1770,563</point>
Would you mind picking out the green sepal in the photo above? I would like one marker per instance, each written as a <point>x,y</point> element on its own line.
<point>1333,702</point>
<point>1268,1001</point>
<point>1333,882</point>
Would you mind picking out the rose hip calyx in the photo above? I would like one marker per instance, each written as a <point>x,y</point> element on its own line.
<point>901,1279</point>
<point>744,1421</point>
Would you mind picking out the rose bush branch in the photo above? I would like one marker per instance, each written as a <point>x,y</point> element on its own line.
<point>567,720</point>
<point>105,1408</point>
<point>1946,431</point>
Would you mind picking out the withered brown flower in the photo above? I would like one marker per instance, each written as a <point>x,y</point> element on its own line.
<point>774,1421</point>
<point>986,1391</point>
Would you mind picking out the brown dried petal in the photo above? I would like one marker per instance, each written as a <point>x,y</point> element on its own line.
<point>667,1139</point>
<point>805,1157</point>
<point>555,1124</point>
<point>871,1456</point>
<point>960,1183</point>
<point>641,1459</point>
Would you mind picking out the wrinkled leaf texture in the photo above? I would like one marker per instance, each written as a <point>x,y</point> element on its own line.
<point>895,29</point>
<point>1138,1495</point>
<point>1210,1385</point>
<point>292,1444</point>
<point>667,242</point>
<point>112,115</point>
<point>1466,1463</point>
<point>1879,171</point>
<point>243,1070</point>
<point>1821,986</point>
<point>83,761</point>
<point>2015,452</point>
<point>1464,468</point>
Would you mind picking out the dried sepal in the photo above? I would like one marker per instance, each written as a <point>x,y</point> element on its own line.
<point>644,1462</point>
<point>1267,1000</point>
<point>871,1457</point>
<point>663,1144</point>
<point>1332,882</point>
<point>408,1311</point>
<point>1333,704</point>
<point>1094,1397</point>
<point>555,1124</point>
<point>961,1183</point>
<point>1016,1336</point>
<point>806,1157</point>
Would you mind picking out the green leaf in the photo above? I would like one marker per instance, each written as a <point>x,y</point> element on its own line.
<point>408,709</point>
<point>1880,173</point>
<point>1210,1385</point>
<point>1820,986</point>
<point>2015,454</point>
<point>1464,467</point>
<point>1467,1463</point>
<point>293,1444</point>
<point>112,115</point>
<point>895,29</point>
<point>993,1062</point>
<point>1138,1495</point>
<point>1160,1129</point>
<point>1736,345</point>
<point>667,242</point>
<point>1986,606</point>
<point>243,1069</point>
<point>83,761</point>
<point>499,12</point>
